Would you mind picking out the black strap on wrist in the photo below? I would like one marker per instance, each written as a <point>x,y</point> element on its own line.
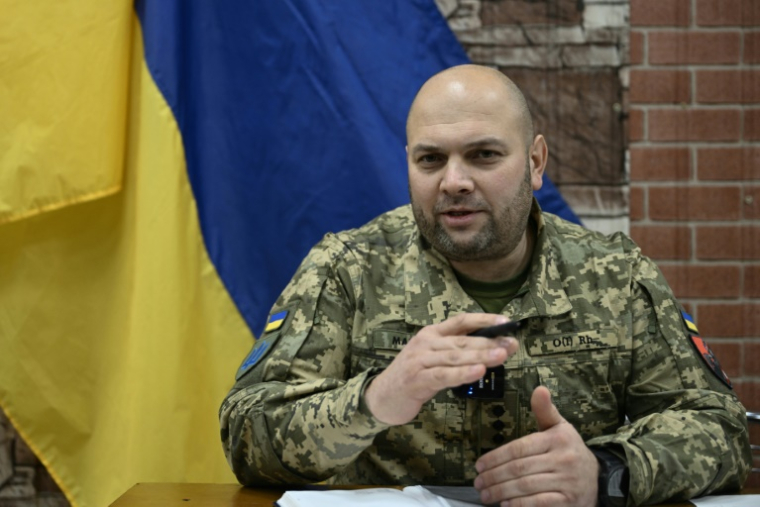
<point>613,478</point>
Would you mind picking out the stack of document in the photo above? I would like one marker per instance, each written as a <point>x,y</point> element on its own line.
<point>441,496</point>
<point>411,496</point>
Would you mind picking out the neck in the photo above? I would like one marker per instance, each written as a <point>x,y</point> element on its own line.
<point>505,268</point>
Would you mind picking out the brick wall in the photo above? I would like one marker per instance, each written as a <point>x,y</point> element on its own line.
<point>695,167</point>
<point>569,57</point>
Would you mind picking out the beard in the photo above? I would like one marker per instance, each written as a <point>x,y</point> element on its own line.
<point>496,239</point>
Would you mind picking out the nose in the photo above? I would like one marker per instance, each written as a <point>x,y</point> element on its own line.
<point>456,178</point>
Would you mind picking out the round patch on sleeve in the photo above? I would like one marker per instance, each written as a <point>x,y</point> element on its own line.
<point>710,359</point>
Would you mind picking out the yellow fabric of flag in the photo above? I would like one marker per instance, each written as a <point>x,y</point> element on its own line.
<point>63,85</point>
<point>118,341</point>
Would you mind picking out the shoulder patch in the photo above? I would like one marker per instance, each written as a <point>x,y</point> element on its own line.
<point>276,321</point>
<point>690,325</point>
<point>254,356</point>
<point>265,342</point>
<point>709,357</point>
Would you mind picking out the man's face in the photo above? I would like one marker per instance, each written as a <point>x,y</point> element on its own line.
<point>470,175</point>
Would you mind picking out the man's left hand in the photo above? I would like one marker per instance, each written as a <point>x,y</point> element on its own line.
<point>551,467</point>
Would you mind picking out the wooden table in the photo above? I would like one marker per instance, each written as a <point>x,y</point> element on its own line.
<point>223,495</point>
<point>196,495</point>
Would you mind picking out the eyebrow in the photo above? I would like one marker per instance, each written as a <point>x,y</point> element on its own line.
<point>486,141</point>
<point>478,143</point>
<point>424,148</point>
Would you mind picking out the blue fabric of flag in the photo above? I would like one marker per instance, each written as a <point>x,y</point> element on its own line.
<point>292,116</point>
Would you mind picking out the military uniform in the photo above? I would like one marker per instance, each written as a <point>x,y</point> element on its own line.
<point>601,330</point>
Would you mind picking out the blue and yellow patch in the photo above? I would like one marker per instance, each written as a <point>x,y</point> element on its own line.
<point>689,321</point>
<point>264,344</point>
<point>276,321</point>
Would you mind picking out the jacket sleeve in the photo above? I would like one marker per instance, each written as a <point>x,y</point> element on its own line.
<point>687,435</point>
<point>295,415</point>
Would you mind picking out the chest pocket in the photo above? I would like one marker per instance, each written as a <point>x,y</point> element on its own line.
<point>576,368</point>
<point>378,348</point>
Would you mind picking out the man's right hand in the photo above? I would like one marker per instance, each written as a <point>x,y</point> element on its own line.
<point>440,356</point>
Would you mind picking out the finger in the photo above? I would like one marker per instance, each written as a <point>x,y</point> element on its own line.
<point>465,323</point>
<point>514,469</point>
<point>534,444</point>
<point>469,342</point>
<point>549,499</point>
<point>443,377</point>
<point>490,357</point>
<point>523,489</point>
<point>546,413</point>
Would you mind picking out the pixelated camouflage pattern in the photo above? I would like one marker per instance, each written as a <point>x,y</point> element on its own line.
<point>603,333</point>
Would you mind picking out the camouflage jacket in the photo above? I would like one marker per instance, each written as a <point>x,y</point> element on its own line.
<point>604,334</point>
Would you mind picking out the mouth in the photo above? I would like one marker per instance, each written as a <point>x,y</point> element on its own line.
<point>458,212</point>
<point>458,218</point>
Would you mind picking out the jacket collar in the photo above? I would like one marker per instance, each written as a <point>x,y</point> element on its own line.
<point>433,293</point>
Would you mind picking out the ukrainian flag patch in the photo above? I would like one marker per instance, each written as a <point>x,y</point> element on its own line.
<point>689,322</point>
<point>276,321</point>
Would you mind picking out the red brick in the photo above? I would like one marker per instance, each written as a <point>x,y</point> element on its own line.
<point>660,164</point>
<point>636,209</point>
<point>694,124</point>
<point>693,47</point>
<point>748,392</point>
<point>752,359</point>
<point>728,12</point>
<point>660,12</point>
<point>635,125</point>
<point>637,48</point>
<point>695,203</point>
<point>728,163</point>
<point>752,124</point>
<point>751,202</point>
<point>751,281</point>
<point>729,355</point>
<point>728,86</point>
<point>753,480</point>
<point>751,47</point>
<point>729,320</point>
<point>728,242</point>
<point>663,242</point>
<point>660,86</point>
<point>703,281</point>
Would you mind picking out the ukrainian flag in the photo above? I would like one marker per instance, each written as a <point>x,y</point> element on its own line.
<point>164,167</point>
<point>689,321</point>
<point>276,321</point>
<point>118,339</point>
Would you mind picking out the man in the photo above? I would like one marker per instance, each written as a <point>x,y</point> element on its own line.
<point>352,380</point>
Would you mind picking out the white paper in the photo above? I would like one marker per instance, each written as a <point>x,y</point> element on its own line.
<point>411,496</point>
<point>727,501</point>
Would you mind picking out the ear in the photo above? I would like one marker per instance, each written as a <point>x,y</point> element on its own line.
<point>539,155</point>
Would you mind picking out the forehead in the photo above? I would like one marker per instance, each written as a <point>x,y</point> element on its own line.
<point>462,119</point>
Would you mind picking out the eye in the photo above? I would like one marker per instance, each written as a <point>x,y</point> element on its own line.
<point>486,154</point>
<point>429,159</point>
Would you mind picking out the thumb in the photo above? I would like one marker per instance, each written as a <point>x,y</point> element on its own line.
<point>546,413</point>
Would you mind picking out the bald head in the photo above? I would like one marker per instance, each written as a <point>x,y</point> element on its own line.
<point>471,83</point>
